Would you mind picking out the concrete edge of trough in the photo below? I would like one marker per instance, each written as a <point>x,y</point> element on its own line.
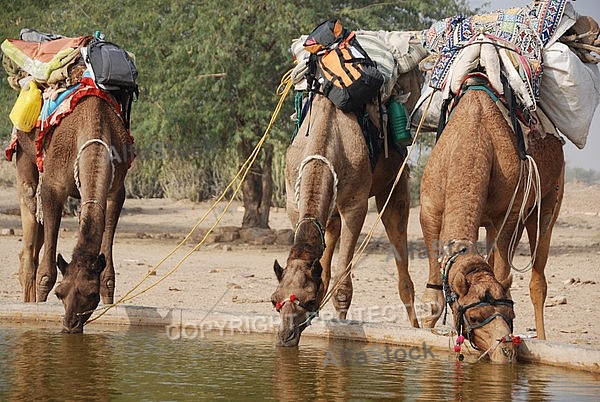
<point>531,350</point>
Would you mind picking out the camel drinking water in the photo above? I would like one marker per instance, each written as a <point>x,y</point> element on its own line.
<point>78,162</point>
<point>80,147</point>
<point>329,180</point>
<point>498,162</point>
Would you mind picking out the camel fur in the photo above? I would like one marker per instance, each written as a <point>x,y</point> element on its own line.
<point>90,275</point>
<point>321,219</point>
<point>468,183</point>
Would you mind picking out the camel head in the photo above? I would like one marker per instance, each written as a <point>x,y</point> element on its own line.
<point>79,289</point>
<point>482,308</point>
<point>298,294</point>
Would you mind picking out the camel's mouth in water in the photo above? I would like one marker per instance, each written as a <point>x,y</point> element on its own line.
<point>72,330</point>
<point>289,338</point>
<point>75,326</point>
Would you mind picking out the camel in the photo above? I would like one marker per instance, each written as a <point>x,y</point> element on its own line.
<point>80,162</point>
<point>468,183</point>
<point>329,180</point>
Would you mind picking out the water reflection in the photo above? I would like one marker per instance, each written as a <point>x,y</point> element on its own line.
<point>106,364</point>
<point>48,366</point>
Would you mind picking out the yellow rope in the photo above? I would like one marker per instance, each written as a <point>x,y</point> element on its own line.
<point>282,90</point>
<point>369,235</point>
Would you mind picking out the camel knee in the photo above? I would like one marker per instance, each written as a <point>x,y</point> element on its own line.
<point>342,298</point>
<point>107,290</point>
<point>434,301</point>
<point>538,287</point>
<point>45,283</point>
<point>27,195</point>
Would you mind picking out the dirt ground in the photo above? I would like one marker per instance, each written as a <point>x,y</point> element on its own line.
<point>235,274</point>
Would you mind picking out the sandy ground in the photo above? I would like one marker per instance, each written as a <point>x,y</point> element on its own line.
<point>237,276</point>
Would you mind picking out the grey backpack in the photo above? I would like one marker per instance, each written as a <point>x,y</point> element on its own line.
<point>111,66</point>
<point>113,70</point>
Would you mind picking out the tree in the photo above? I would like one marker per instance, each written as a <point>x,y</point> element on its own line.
<point>208,73</point>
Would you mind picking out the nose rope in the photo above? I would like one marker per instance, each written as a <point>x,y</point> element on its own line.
<point>291,299</point>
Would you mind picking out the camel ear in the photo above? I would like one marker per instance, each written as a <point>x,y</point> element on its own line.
<point>507,283</point>
<point>278,270</point>
<point>62,264</point>
<point>316,270</point>
<point>100,263</point>
<point>460,284</point>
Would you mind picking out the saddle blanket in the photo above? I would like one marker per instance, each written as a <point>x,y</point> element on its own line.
<point>53,111</point>
<point>521,44</point>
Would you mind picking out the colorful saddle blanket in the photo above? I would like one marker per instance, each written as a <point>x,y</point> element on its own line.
<point>44,60</point>
<point>526,29</point>
<point>53,111</point>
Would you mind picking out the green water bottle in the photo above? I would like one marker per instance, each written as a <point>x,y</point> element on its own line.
<point>397,122</point>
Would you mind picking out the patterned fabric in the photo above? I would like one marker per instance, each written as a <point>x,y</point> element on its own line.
<point>54,111</point>
<point>528,29</point>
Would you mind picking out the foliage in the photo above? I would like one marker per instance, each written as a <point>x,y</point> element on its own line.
<point>587,176</point>
<point>208,74</point>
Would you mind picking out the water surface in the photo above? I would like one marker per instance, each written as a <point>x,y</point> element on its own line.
<point>144,364</point>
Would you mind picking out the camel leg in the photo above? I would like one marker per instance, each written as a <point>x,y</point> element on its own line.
<point>27,181</point>
<point>52,203</point>
<point>353,218</point>
<point>537,285</point>
<point>395,221</point>
<point>431,225</point>
<point>114,205</point>
<point>332,235</point>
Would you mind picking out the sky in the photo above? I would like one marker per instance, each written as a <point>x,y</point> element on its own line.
<point>589,156</point>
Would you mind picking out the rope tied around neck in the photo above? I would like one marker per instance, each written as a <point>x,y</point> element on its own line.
<point>319,227</point>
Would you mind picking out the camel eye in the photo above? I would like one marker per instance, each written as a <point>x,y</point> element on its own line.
<point>473,319</point>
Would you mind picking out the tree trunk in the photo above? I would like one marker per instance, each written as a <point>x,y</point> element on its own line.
<point>257,188</point>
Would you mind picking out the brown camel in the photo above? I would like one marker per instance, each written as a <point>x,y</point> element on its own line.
<point>329,181</point>
<point>468,182</point>
<point>80,161</point>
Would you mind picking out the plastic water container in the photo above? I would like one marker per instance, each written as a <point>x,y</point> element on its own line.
<point>398,122</point>
<point>26,110</point>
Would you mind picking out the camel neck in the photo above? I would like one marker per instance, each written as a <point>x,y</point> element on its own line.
<point>310,230</point>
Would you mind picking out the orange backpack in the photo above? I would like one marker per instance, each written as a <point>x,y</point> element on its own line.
<point>339,68</point>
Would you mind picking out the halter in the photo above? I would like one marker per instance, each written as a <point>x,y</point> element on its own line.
<point>294,300</point>
<point>463,327</point>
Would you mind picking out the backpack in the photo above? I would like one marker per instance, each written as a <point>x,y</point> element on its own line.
<point>339,68</point>
<point>112,67</point>
<point>113,70</point>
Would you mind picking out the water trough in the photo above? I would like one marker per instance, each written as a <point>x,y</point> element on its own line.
<point>192,323</point>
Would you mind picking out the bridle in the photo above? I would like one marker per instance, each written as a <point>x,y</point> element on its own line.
<point>463,327</point>
<point>312,313</point>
